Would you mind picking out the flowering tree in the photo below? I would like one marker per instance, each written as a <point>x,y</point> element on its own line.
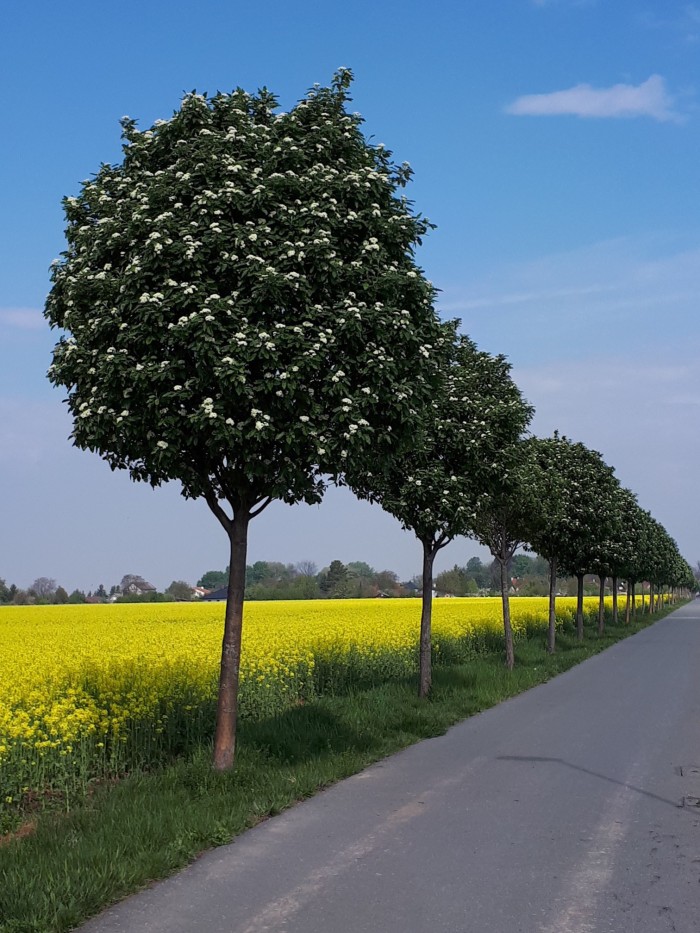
<point>577,493</point>
<point>243,313</point>
<point>434,488</point>
<point>503,522</point>
<point>593,537</point>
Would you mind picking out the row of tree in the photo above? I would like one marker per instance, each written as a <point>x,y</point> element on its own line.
<point>242,312</point>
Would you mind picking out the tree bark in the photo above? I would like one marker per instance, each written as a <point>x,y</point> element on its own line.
<point>425,651</point>
<point>507,628</point>
<point>614,597</point>
<point>552,632</point>
<point>579,606</point>
<point>601,605</point>
<point>227,706</point>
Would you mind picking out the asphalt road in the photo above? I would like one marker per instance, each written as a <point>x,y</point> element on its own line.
<point>560,811</point>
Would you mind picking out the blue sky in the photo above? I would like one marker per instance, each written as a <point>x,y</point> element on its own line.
<point>555,145</point>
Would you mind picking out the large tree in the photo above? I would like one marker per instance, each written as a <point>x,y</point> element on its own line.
<point>244,313</point>
<point>434,489</point>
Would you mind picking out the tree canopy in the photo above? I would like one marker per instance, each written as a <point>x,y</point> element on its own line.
<point>243,312</point>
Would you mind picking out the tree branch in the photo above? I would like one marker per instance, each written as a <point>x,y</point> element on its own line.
<point>261,506</point>
<point>440,542</point>
<point>213,504</point>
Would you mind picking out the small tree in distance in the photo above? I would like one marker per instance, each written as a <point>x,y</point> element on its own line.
<point>502,523</point>
<point>244,314</point>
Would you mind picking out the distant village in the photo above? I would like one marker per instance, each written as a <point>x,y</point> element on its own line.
<point>274,580</point>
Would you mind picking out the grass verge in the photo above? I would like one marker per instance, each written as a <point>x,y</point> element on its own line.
<point>151,824</point>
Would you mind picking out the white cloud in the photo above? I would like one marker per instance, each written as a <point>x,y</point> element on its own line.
<point>22,318</point>
<point>649,99</point>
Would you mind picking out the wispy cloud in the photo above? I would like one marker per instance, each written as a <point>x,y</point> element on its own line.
<point>22,318</point>
<point>648,99</point>
<point>682,24</point>
<point>571,3</point>
<point>629,291</point>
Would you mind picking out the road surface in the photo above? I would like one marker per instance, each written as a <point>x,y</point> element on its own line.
<point>568,809</point>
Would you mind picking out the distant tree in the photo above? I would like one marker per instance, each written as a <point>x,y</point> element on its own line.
<point>101,592</point>
<point>43,588</point>
<point>213,579</point>
<point>572,526</point>
<point>453,582</point>
<point>479,572</point>
<point>361,570</point>
<point>5,596</point>
<point>60,596</point>
<point>179,590</point>
<point>306,568</point>
<point>334,582</point>
<point>77,596</point>
<point>502,524</point>
<point>590,536</point>
<point>387,582</point>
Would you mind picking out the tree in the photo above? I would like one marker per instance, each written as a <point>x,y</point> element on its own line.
<point>244,314</point>
<point>306,568</point>
<point>213,579</point>
<point>589,537</point>
<point>434,488</point>
<point>179,590</point>
<point>5,596</point>
<point>334,583</point>
<point>60,596</point>
<point>101,592</point>
<point>43,588</point>
<point>577,495</point>
<point>77,596</point>
<point>502,523</point>
<point>455,582</point>
<point>479,572</point>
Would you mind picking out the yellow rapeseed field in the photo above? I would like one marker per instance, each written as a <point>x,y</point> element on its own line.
<point>92,691</point>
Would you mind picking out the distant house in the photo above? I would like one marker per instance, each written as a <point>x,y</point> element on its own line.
<point>198,592</point>
<point>134,585</point>
<point>216,596</point>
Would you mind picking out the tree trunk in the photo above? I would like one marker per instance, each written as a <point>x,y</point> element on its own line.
<point>552,632</point>
<point>227,706</point>
<point>652,596</point>
<point>614,596</point>
<point>628,606</point>
<point>425,661</point>
<point>507,628</point>
<point>579,606</point>
<point>634,599</point>
<point>601,605</point>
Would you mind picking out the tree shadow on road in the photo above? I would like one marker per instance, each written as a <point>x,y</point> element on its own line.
<point>603,777</point>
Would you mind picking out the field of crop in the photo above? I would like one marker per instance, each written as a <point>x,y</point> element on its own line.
<point>90,692</point>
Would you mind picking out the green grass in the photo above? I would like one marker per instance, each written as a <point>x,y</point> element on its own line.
<point>151,824</point>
